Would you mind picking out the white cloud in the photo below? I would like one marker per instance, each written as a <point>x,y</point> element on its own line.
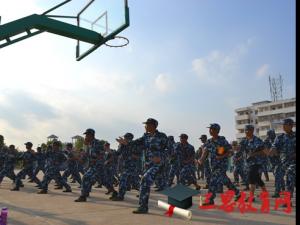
<point>263,70</point>
<point>163,83</point>
<point>218,67</point>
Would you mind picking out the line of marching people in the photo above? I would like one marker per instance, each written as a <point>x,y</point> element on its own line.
<point>156,158</point>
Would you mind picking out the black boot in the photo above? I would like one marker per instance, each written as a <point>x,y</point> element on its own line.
<point>117,198</point>
<point>81,199</point>
<point>140,211</point>
<point>58,188</point>
<point>43,191</point>
<point>15,189</point>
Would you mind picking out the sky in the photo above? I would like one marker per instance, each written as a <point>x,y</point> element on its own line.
<point>188,64</point>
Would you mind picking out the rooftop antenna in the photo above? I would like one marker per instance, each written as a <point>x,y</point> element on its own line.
<point>276,85</point>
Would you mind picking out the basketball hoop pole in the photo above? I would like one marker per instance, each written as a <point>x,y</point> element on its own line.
<point>55,7</point>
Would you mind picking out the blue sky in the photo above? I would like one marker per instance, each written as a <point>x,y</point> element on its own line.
<point>189,63</point>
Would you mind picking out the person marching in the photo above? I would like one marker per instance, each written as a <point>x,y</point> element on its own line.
<point>237,163</point>
<point>187,162</point>
<point>206,164</point>
<point>218,149</point>
<point>155,144</point>
<point>110,167</point>
<point>285,146</point>
<point>29,159</point>
<point>72,164</point>
<point>275,164</point>
<point>174,161</point>
<point>10,157</point>
<point>253,147</point>
<point>95,169</point>
<point>130,155</point>
<point>54,160</point>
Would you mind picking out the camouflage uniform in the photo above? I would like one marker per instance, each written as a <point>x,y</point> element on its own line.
<point>130,156</point>
<point>285,144</point>
<point>218,166</point>
<point>275,164</point>
<point>238,164</point>
<point>187,166</point>
<point>110,168</point>
<point>54,159</point>
<point>10,158</point>
<point>95,170</point>
<point>72,167</point>
<point>199,168</point>
<point>249,146</point>
<point>29,159</point>
<point>155,146</point>
<point>175,165</point>
<point>40,163</point>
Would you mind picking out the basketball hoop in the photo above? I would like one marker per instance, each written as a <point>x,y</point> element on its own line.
<point>123,39</point>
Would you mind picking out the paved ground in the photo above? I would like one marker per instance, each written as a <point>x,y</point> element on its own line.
<point>27,207</point>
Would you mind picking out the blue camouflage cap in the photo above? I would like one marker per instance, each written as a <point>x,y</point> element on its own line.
<point>171,138</point>
<point>249,127</point>
<point>184,136</point>
<point>288,121</point>
<point>215,126</point>
<point>203,137</point>
<point>151,121</point>
<point>28,144</point>
<point>128,136</point>
<point>89,131</point>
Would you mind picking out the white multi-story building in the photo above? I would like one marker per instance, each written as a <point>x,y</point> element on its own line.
<point>264,115</point>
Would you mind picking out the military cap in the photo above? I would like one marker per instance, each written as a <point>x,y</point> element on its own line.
<point>184,136</point>
<point>28,144</point>
<point>249,127</point>
<point>288,121</point>
<point>151,121</point>
<point>171,138</point>
<point>270,132</point>
<point>214,126</point>
<point>203,136</point>
<point>89,131</point>
<point>128,136</point>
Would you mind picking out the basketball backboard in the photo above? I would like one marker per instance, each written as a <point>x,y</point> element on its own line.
<point>106,17</point>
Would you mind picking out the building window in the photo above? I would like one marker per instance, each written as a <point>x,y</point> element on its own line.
<point>289,104</point>
<point>290,114</point>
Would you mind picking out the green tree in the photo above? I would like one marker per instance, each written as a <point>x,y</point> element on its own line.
<point>79,143</point>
